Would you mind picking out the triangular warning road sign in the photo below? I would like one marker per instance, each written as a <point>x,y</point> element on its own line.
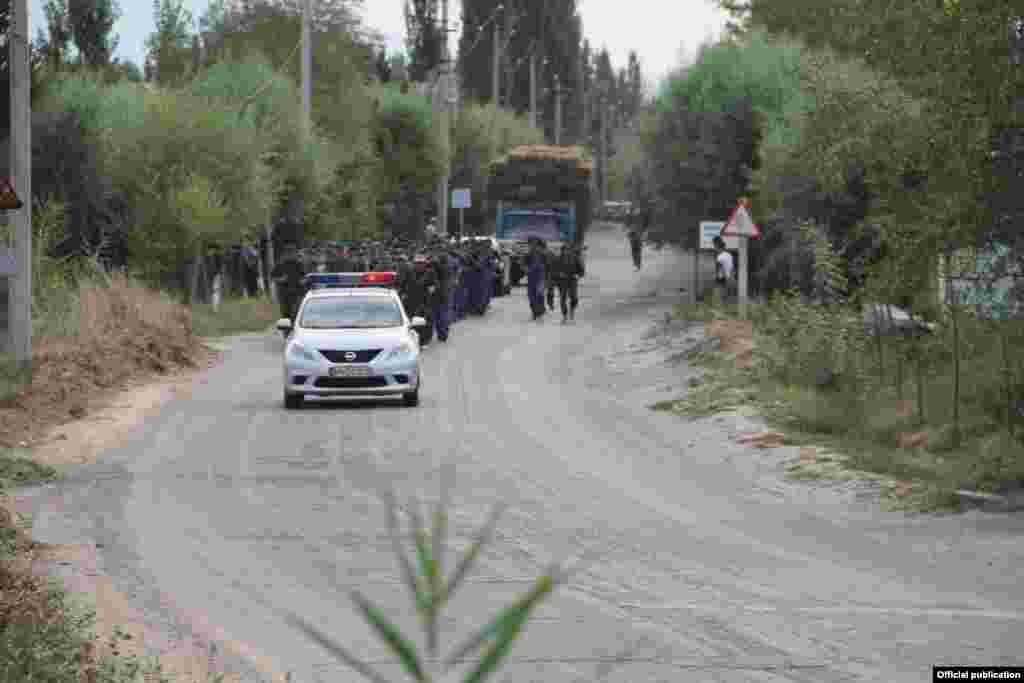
<point>740,223</point>
<point>9,200</point>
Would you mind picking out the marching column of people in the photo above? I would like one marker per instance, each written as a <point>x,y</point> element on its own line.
<point>438,280</point>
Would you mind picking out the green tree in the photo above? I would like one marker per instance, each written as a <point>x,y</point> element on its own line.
<point>53,45</point>
<point>483,133</point>
<point>424,37</point>
<point>269,32</point>
<point>91,23</point>
<point>168,49</point>
<point>952,56</point>
<point>476,46</point>
<point>410,160</point>
<point>382,67</point>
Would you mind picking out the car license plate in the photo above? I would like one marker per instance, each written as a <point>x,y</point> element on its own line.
<point>350,371</point>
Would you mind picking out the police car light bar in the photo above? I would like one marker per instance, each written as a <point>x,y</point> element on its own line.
<point>349,280</point>
<point>387,278</point>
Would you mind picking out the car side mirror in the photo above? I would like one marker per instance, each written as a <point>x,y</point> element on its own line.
<point>284,325</point>
<point>418,321</point>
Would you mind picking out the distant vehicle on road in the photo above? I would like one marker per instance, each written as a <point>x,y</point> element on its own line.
<point>539,192</point>
<point>616,211</point>
<point>351,341</point>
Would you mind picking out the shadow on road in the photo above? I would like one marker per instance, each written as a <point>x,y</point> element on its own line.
<point>352,403</point>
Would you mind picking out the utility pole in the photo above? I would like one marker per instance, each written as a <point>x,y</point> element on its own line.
<point>533,88</point>
<point>507,36</point>
<point>558,110</point>
<point>445,95</point>
<point>307,63</point>
<point>20,294</point>
<point>604,149</point>
<point>586,96</point>
<point>496,67</point>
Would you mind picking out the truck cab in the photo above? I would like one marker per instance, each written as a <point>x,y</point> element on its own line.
<point>539,192</point>
<point>518,221</point>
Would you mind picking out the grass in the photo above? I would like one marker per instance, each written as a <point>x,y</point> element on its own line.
<point>12,378</point>
<point>106,329</point>
<point>48,636</point>
<point>18,470</point>
<point>235,316</point>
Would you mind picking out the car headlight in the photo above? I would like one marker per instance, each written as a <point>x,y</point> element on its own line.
<point>400,351</point>
<point>297,350</point>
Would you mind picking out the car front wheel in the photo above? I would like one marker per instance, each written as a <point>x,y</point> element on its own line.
<point>292,401</point>
<point>412,398</point>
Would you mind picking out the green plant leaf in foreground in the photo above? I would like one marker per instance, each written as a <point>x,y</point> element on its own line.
<point>436,580</point>
<point>428,567</point>
<point>407,570</point>
<point>482,538</point>
<point>429,575</point>
<point>508,626</point>
<point>437,537</point>
<point>405,650</point>
<point>335,649</point>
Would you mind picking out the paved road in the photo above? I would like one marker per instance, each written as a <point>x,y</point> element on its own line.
<point>711,568</point>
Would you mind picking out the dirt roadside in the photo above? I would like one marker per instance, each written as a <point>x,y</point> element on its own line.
<point>103,413</point>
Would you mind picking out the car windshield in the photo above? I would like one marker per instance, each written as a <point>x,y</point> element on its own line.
<point>331,313</point>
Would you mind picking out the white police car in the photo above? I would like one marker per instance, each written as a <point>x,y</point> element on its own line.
<point>351,338</point>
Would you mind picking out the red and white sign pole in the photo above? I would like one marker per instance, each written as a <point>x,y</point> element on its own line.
<point>741,225</point>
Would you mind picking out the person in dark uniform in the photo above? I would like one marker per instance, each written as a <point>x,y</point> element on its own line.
<point>335,261</point>
<point>251,269</point>
<point>568,271</point>
<point>474,279</point>
<point>489,268</point>
<point>440,299</point>
<point>636,245</point>
<point>423,289</point>
<point>288,274</point>
<point>550,281</point>
<point>535,272</point>
<point>455,274</point>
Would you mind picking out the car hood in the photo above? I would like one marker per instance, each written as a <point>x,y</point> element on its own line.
<point>353,340</point>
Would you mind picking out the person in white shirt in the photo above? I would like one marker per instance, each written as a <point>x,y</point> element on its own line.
<point>725,270</point>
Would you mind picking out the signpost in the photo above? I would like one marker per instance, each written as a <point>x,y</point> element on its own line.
<point>709,230</point>
<point>741,225</point>
<point>461,200</point>
<point>9,199</point>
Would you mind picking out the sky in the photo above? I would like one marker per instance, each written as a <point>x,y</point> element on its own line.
<point>665,33</point>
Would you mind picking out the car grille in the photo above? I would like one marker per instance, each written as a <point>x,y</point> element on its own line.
<point>402,379</point>
<point>350,382</point>
<point>361,356</point>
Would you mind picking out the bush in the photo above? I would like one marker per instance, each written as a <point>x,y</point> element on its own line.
<point>837,414</point>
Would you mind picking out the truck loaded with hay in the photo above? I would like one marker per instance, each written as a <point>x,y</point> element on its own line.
<point>542,192</point>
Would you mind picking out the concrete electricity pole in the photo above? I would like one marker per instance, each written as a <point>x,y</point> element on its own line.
<point>604,149</point>
<point>445,97</point>
<point>558,110</point>
<point>307,63</point>
<point>507,37</point>
<point>496,66</point>
<point>20,294</point>
<point>533,88</point>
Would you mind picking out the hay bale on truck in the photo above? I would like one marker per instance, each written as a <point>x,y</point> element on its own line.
<point>539,191</point>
